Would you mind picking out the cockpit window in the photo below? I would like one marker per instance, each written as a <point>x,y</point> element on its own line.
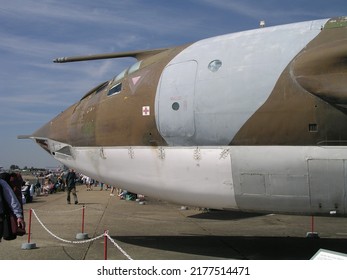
<point>101,87</point>
<point>121,75</point>
<point>131,69</point>
<point>96,90</point>
<point>115,89</point>
<point>134,67</point>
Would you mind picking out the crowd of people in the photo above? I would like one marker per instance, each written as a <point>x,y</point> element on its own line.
<point>91,183</point>
<point>66,181</point>
<point>15,191</point>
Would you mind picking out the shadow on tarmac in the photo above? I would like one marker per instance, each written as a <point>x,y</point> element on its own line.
<point>240,247</point>
<point>223,215</point>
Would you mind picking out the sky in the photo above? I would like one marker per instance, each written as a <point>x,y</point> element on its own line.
<point>33,32</point>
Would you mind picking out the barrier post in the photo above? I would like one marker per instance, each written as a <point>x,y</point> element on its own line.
<point>83,209</point>
<point>29,225</point>
<point>105,244</point>
<point>82,235</point>
<point>29,245</point>
<point>312,233</point>
<point>312,223</point>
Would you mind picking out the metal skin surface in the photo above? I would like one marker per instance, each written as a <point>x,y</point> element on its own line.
<point>310,90</point>
<point>251,121</point>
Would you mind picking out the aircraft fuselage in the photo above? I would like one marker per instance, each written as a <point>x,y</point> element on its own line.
<point>251,121</point>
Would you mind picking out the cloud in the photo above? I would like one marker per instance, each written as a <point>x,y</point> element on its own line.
<point>20,46</point>
<point>128,15</point>
<point>240,7</point>
<point>278,11</point>
<point>73,11</point>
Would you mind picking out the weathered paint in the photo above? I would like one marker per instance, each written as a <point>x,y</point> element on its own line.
<point>102,120</point>
<point>310,91</point>
<point>223,101</point>
<point>263,129</point>
<point>296,72</point>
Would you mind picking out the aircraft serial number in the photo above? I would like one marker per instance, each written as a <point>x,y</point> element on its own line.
<point>212,270</point>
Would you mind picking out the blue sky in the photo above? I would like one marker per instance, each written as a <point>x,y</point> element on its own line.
<point>34,32</point>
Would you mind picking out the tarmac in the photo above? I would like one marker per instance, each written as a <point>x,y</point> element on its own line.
<point>158,230</point>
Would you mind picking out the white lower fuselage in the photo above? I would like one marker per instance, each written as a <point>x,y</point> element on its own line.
<point>284,179</point>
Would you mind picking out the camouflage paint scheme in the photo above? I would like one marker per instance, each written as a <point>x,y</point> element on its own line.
<point>310,90</point>
<point>251,121</point>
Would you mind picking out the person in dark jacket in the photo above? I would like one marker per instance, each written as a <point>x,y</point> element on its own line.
<point>10,198</point>
<point>15,181</point>
<point>71,186</point>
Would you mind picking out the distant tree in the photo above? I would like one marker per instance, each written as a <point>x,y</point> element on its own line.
<point>14,167</point>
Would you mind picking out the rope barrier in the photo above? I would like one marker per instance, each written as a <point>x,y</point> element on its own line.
<point>118,247</point>
<point>59,211</point>
<point>61,239</point>
<point>105,235</point>
<point>66,211</point>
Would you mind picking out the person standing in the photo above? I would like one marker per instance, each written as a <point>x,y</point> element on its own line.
<point>71,186</point>
<point>112,190</point>
<point>10,198</point>
<point>88,183</point>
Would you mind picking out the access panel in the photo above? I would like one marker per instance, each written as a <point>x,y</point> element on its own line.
<point>176,102</point>
<point>327,181</point>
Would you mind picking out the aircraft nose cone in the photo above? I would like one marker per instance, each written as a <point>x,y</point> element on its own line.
<point>56,129</point>
<point>322,70</point>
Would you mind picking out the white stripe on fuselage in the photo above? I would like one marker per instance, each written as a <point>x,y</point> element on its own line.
<point>250,178</point>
